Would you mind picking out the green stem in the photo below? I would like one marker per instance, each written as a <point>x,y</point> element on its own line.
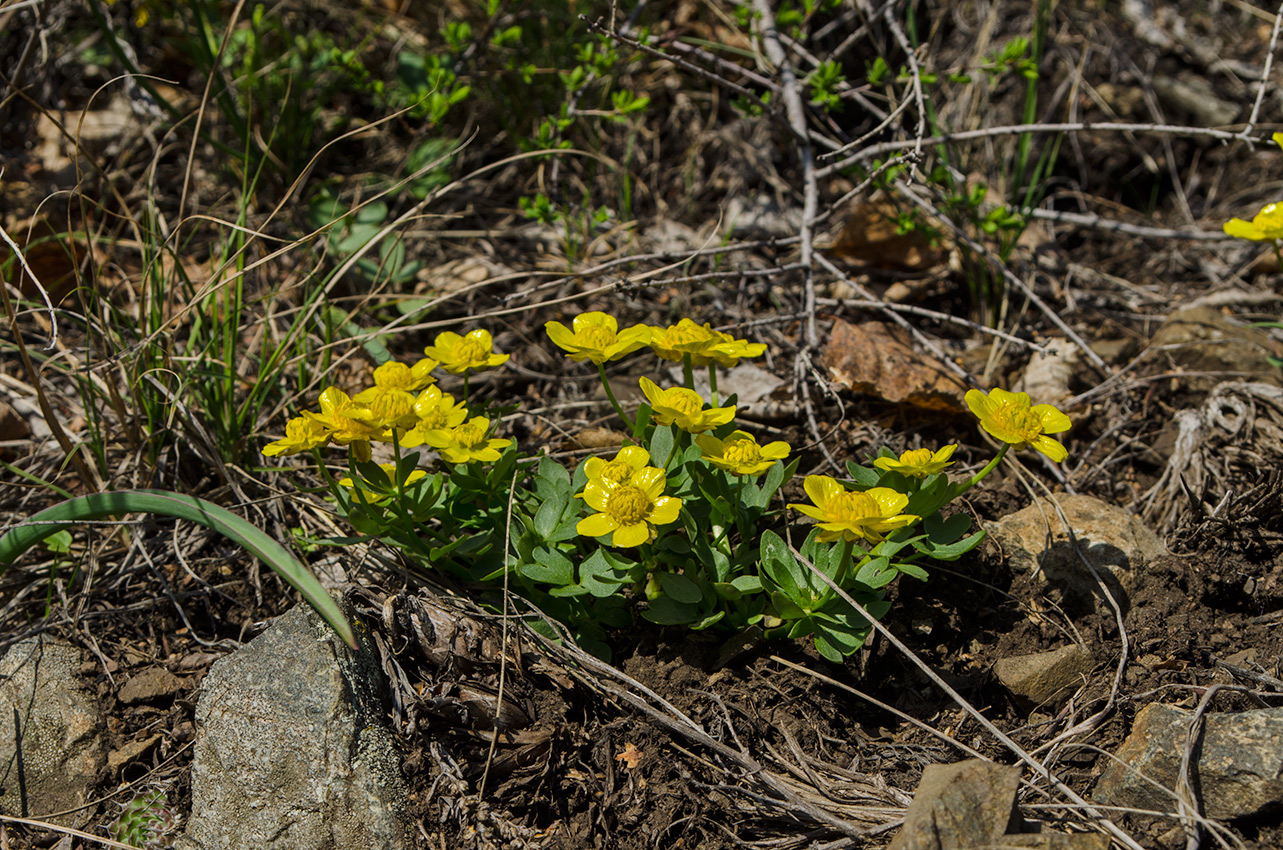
<point>989,467</point>
<point>844,563</point>
<point>465,392</point>
<point>687,372</point>
<point>614,402</point>
<point>712,381</point>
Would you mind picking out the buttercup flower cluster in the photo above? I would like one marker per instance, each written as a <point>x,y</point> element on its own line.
<point>680,525</point>
<point>390,411</point>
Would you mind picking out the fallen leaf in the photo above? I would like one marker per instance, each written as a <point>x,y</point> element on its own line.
<point>870,237</point>
<point>631,756</point>
<point>877,360</point>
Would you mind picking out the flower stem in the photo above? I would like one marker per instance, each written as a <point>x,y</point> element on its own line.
<point>989,467</point>
<point>844,563</point>
<point>712,381</point>
<point>687,372</point>
<point>614,402</point>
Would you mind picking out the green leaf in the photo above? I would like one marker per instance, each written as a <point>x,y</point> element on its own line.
<point>59,542</point>
<point>863,476</point>
<point>670,612</point>
<point>942,531</point>
<point>548,517</point>
<point>661,444</point>
<point>876,573</point>
<point>952,551</point>
<point>912,570</point>
<point>679,587</point>
<point>549,566</point>
<point>114,503</point>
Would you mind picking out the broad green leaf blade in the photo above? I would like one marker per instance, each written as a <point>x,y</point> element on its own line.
<point>114,503</point>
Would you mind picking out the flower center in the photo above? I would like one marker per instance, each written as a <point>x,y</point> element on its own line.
<point>469,435</point>
<point>393,375</point>
<point>742,451</point>
<point>1019,420</point>
<point>916,457</point>
<point>616,471</point>
<point>392,405</point>
<point>595,336</point>
<point>433,420</point>
<point>628,505</point>
<point>850,506</point>
<point>687,403</point>
<point>470,351</point>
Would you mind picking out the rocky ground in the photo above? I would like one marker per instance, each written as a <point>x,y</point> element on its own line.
<point>1149,636</point>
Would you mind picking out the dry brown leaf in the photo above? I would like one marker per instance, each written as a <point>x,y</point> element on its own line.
<point>869,237</point>
<point>877,360</point>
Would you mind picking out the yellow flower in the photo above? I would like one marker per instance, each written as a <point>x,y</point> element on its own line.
<point>684,408</point>
<point>372,498</point>
<point>435,411</point>
<point>301,435</point>
<point>630,509</point>
<point>849,515</point>
<point>618,470</point>
<point>1010,418</point>
<point>701,343</point>
<point>391,399</point>
<point>739,453</point>
<point>918,463</point>
<point>1266,224</point>
<point>459,354</point>
<point>467,443</point>
<point>346,420</point>
<point>597,337</point>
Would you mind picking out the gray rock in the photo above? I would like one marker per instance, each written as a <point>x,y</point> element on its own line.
<point>1237,770</point>
<point>291,751</point>
<point>1045,680</point>
<point>1034,540</point>
<point>973,804</point>
<point>50,733</point>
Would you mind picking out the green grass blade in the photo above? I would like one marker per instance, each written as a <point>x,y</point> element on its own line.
<point>114,503</point>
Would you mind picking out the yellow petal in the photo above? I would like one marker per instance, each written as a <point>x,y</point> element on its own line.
<point>821,489</point>
<point>1053,421</point>
<point>812,512</point>
<point>651,481</point>
<point>560,335</point>
<point>1050,448</point>
<point>596,494</point>
<point>653,393</point>
<point>979,403</point>
<point>1242,229</point>
<point>595,319</point>
<point>777,450</point>
<point>666,510</point>
<point>627,536</point>
<point>597,525</point>
<point>635,456</point>
<point>889,501</point>
<point>709,445</point>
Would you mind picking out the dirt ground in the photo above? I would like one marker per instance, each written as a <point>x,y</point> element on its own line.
<point>672,745</point>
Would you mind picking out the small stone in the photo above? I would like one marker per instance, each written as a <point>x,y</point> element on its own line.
<point>129,753</point>
<point>50,733</point>
<point>1238,772</point>
<point>150,685</point>
<point>1045,680</point>
<point>293,751</point>
<point>973,804</point>
<point>1118,544</point>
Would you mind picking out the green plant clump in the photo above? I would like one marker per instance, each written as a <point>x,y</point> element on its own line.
<point>682,526</point>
